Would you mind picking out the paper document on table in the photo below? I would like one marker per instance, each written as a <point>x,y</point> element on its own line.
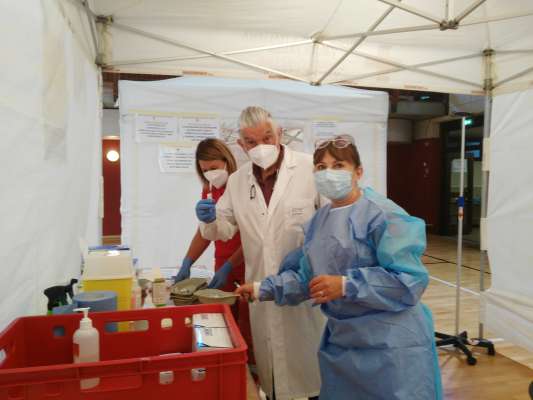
<point>202,272</point>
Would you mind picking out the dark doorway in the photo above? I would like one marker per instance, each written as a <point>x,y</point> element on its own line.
<point>451,140</point>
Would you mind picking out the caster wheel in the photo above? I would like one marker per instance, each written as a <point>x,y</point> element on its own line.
<point>471,361</point>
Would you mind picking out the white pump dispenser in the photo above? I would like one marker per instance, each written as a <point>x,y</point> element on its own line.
<point>86,346</point>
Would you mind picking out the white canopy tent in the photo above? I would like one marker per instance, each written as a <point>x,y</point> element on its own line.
<point>415,44</point>
<point>456,46</point>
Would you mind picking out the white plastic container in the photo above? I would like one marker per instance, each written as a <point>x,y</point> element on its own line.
<point>86,346</point>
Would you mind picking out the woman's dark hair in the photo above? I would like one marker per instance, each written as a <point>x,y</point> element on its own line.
<point>214,149</point>
<point>348,153</point>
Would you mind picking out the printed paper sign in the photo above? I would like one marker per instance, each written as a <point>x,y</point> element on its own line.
<point>174,158</point>
<point>324,129</point>
<point>155,128</point>
<point>197,129</point>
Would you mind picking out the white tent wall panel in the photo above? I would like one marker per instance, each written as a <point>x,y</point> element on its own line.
<point>508,303</point>
<point>158,218</point>
<point>50,134</point>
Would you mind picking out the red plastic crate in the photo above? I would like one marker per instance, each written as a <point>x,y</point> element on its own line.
<point>134,365</point>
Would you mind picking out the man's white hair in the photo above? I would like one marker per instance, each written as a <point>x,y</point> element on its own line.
<point>254,115</point>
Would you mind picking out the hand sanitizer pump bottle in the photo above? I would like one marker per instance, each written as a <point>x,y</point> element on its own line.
<point>86,346</point>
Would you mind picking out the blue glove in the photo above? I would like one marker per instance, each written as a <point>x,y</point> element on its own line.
<point>206,210</point>
<point>292,260</point>
<point>221,276</point>
<point>185,270</point>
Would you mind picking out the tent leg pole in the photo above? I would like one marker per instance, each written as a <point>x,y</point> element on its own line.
<point>485,174</point>
<point>480,341</point>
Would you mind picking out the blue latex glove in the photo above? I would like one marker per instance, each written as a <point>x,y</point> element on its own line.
<point>221,276</point>
<point>185,270</point>
<point>206,210</point>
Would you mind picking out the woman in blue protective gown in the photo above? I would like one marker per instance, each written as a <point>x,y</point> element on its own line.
<point>361,262</point>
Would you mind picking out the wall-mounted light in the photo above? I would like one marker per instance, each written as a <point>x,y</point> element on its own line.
<point>112,155</point>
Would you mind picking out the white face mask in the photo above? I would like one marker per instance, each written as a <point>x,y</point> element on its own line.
<point>217,177</point>
<point>264,155</point>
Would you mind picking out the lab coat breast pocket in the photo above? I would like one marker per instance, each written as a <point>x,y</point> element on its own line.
<point>297,213</point>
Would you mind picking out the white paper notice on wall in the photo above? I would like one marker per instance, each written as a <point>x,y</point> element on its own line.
<point>324,129</point>
<point>155,128</point>
<point>176,157</point>
<point>197,129</point>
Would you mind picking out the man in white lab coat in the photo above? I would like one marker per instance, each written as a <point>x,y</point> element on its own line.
<point>268,200</point>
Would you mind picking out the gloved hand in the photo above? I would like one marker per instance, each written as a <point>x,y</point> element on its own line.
<point>185,270</point>
<point>206,210</point>
<point>221,276</point>
<point>291,260</point>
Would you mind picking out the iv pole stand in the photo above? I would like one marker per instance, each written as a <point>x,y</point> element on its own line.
<point>461,340</point>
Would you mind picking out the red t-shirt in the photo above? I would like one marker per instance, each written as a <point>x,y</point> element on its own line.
<point>223,250</point>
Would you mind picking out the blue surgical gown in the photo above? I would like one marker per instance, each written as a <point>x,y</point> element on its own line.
<point>378,342</point>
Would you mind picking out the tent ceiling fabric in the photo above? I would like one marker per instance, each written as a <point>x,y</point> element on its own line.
<point>305,39</point>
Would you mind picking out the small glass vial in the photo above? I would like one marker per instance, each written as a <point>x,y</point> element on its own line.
<point>159,292</point>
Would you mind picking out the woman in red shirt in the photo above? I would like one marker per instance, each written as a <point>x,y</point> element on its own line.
<point>214,164</point>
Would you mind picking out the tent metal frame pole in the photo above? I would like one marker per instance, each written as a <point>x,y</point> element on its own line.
<point>383,32</point>
<point>513,77</point>
<point>447,9</point>
<point>523,51</point>
<point>426,64</point>
<point>426,27</point>
<point>402,67</point>
<point>460,215</point>
<point>391,70</point>
<point>225,53</point>
<point>176,43</point>
<point>497,19</point>
<point>469,10</point>
<point>412,10</point>
<point>354,46</point>
<point>485,174</point>
<point>91,21</point>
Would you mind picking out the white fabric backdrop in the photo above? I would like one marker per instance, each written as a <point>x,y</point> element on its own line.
<point>50,148</point>
<point>508,303</point>
<point>158,218</point>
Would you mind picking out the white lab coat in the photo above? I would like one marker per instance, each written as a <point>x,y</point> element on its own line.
<point>286,339</point>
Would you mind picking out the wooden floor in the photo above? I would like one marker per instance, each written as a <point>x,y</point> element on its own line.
<point>505,376</point>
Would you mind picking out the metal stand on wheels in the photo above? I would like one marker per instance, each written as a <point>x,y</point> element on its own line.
<point>461,340</point>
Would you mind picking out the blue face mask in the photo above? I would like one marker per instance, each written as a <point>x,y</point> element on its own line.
<point>334,184</point>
